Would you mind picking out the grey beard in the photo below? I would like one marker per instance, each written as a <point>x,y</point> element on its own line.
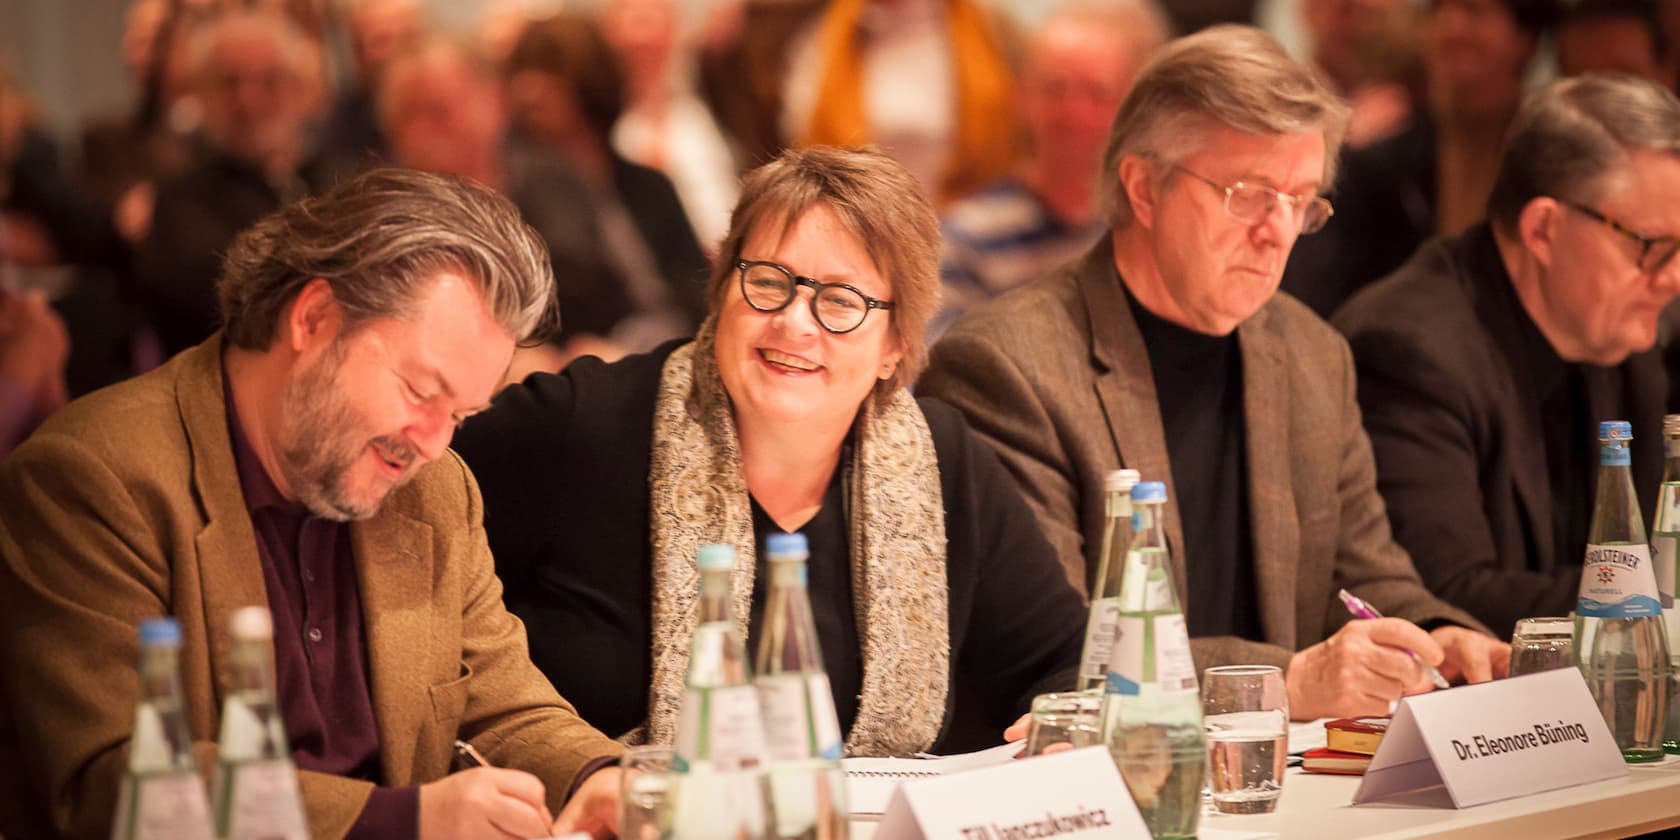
<point>315,447</point>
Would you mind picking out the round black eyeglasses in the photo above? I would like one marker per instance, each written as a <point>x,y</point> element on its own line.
<point>838,307</point>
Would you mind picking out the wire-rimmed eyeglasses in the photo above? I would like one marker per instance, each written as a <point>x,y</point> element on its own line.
<point>838,307</point>
<point>1654,251</point>
<point>1252,203</point>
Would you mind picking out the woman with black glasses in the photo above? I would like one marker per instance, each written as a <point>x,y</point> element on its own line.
<point>940,608</point>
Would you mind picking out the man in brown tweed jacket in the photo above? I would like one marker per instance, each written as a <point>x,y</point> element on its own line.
<point>1168,350</point>
<point>298,460</point>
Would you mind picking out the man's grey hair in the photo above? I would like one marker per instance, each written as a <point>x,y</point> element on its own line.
<point>1571,139</point>
<point>378,240</point>
<point>1230,76</point>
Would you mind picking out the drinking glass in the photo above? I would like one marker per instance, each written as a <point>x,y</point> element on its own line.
<point>645,793</point>
<point>1246,713</point>
<point>1064,717</point>
<point>1540,644</point>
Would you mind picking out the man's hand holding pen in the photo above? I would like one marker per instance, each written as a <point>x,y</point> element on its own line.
<point>1369,664</point>
<point>486,801</point>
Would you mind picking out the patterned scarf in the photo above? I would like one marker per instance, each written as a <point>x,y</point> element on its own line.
<point>698,495</point>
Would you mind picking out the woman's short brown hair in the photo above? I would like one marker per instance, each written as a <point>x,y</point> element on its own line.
<point>875,199</point>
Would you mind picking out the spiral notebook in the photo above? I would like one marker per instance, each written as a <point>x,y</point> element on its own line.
<point>870,782</point>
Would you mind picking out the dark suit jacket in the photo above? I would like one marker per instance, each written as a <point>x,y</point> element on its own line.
<point>1056,377</point>
<point>1458,435</point>
<point>577,559</point>
<point>126,505</point>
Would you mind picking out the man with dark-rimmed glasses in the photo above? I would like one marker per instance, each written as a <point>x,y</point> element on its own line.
<point>1167,349</point>
<point>1487,360</point>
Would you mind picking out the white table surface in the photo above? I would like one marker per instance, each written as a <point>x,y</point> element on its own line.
<point>1320,806</point>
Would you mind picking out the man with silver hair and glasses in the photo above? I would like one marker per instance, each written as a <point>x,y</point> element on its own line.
<point>298,460</point>
<point>249,68</point>
<point>1167,349</point>
<point>1486,361</point>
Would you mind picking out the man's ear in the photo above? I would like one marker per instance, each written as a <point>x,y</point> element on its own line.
<point>1537,227</point>
<point>1137,180</point>
<point>314,318</point>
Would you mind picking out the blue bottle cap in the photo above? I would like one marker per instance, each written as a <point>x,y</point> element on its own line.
<point>160,632</point>
<point>785,544</point>
<point>1615,430</point>
<point>1149,491</point>
<point>715,556</point>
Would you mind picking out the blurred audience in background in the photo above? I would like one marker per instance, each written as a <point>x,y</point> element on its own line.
<point>378,30</point>
<point>931,81</point>
<point>620,127</point>
<point>57,244</point>
<point>1368,51</point>
<point>442,108</point>
<point>123,155</point>
<point>566,90</point>
<point>1191,15</point>
<point>664,123</point>
<point>251,70</point>
<point>743,62</point>
<point>1615,36</point>
<point>1433,177</point>
<point>1079,64</point>
<point>33,349</point>
<point>33,341</point>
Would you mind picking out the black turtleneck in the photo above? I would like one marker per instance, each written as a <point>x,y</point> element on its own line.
<point>1198,385</point>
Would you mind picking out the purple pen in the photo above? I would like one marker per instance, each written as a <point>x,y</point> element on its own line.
<point>1363,610</point>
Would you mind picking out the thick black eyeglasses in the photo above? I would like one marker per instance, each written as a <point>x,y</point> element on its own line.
<point>1252,203</point>
<point>839,308</point>
<point>1654,251</point>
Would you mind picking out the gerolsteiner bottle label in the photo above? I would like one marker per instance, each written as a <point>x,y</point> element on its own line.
<point>1618,582</point>
<point>1165,664</point>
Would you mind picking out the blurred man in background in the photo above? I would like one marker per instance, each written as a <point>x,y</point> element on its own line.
<point>251,71</point>
<point>1079,65</point>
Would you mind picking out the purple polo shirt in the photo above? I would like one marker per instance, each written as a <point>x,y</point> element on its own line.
<point>320,653</point>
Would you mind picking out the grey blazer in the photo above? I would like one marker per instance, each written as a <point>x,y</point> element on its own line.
<point>1055,375</point>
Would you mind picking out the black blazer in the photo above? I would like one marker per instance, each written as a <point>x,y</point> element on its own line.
<point>1458,434</point>
<point>562,461</point>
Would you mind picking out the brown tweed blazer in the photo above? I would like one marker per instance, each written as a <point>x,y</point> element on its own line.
<point>126,505</point>
<point>1056,377</point>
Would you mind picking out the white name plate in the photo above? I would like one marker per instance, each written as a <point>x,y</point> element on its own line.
<point>1077,793</point>
<point>1494,741</point>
